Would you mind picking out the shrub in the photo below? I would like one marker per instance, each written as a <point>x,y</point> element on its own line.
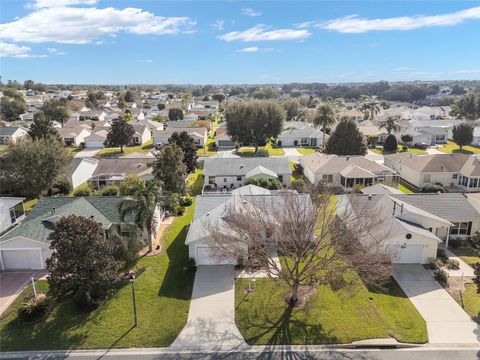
<point>441,276</point>
<point>261,153</point>
<point>83,191</point>
<point>406,138</point>
<point>390,144</point>
<point>298,185</point>
<point>432,188</point>
<point>110,190</point>
<point>186,201</point>
<point>191,265</point>
<point>127,186</point>
<point>442,255</point>
<point>61,186</point>
<point>34,308</point>
<point>431,263</point>
<point>180,210</point>
<point>453,264</point>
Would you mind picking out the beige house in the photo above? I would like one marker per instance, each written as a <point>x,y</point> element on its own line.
<point>199,134</point>
<point>11,134</point>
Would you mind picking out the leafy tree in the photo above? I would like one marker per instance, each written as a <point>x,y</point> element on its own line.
<point>406,138</point>
<point>82,265</point>
<point>175,114</point>
<point>126,249</point>
<point>169,168</point>
<point>42,128</point>
<point>161,106</point>
<point>264,93</point>
<point>187,144</point>
<point>219,97</point>
<point>31,167</point>
<point>130,96</point>
<point>346,139</point>
<point>160,118</point>
<point>142,204</point>
<point>325,117</point>
<point>254,122</point>
<point>466,107</point>
<point>56,110</point>
<point>458,90</point>
<point>28,84</point>
<point>129,184</point>
<point>369,107</point>
<point>292,108</point>
<point>390,144</point>
<point>384,105</point>
<point>120,134</point>
<point>390,125</point>
<point>122,104</point>
<point>462,134</point>
<point>12,106</point>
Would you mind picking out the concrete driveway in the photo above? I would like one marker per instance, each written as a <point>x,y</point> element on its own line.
<point>447,323</point>
<point>292,153</point>
<point>211,318</point>
<point>11,285</point>
<point>85,153</point>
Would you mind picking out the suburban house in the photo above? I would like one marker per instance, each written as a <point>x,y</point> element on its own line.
<point>96,115</point>
<point>419,137</point>
<point>150,124</point>
<point>306,137</point>
<point>345,171</point>
<point>199,134</point>
<point>223,140</point>
<point>441,130</point>
<point>371,130</point>
<point>11,134</point>
<point>26,247</point>
<point>353,114</point>
<point>112,171</point>
<point>73,136</point>
<point>476,136</point>
<point>11,212</point>
<point>81,170</point>
<point>97,138</point>
<point>458,171</point>
<point>230,173</point>
<point>210,209</point>
<point>141,136</point>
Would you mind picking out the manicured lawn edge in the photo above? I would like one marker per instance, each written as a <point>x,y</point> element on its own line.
<point>469,301</point>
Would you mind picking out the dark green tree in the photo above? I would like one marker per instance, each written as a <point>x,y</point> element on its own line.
<point>462,134</point>
<point>292,108</point>
<point>130,96</point>
<point>169,168</point>
<point>55,110</point>
<point>11,107</point>
<point>82,265</point>
<point>42,127</point>
<point>254,122</point>
<point>187,144</point>
<point>346,139</point>
<point>120,134</point>
<point>219,97</point>
<point>406,138</point>
<point>390,144</point>
<point>31,167</point>
<point>175,114</point>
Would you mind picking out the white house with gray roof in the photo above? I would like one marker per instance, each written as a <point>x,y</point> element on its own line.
<point>306,136</point>
<point>345,171</point>
<point>230,173</point>
<point>199,134</point>
<point>11,134</point>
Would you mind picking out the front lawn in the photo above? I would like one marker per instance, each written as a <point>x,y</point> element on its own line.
<point>306,151</point>
<point>405,189</point>
<point>114,152</point>
<point>342,316</point>
<point>379,150</point>
<point>452,148</point>
<point>209,149</point>
<point>29,204</point>
<point>470,301</point>
<point>250,151</point>
<point>73,150</point>
<point>195,182</point>
<point>163,291</point>
<point>466,254</point>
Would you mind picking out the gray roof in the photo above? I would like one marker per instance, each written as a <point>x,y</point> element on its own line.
<point>304,132</point>
<point>241,166</point>
<point>9,130</point>
<point>380,189</point>
<point>450,206</point>
<point>123,165</point>
<point>38,223</point>
<point>430,163</point>
<point>333,164</point>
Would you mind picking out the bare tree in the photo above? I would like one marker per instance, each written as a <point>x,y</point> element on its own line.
<point>314,245</point>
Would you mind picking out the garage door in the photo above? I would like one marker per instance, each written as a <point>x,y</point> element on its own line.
<point>204,257</point>
<point>94,143</point>
<point>408,254</point>
<point>23,259</point>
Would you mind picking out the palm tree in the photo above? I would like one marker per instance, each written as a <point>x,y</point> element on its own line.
<point>390,125</point>
<point>369,107</point>
<point>142,204</point>
<point>325,117</point>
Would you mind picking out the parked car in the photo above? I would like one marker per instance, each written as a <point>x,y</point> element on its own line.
<point>421,146</point>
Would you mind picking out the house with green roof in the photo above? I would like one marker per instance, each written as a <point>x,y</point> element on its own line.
<point>27,246</point>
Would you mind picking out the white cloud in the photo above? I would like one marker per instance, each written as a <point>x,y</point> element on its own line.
<point>253,49</point>
<point>145,61</point>
<point>12,50</point>
<point>261,33</point>
<point>72,25</point>
<point>55,51</point>
<point>59,3</point>
<point>251,12</point>
<point>219,24</point>
<point>354,24</point>
<point>25,56</point>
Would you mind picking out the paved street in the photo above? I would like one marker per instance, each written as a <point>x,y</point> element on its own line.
<point>447,323</point>
<point>12,284</point>
<point>211,318</point>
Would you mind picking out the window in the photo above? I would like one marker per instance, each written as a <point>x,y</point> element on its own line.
<point>16,212</point>
<point>461,228</point>
<point>125,230</point>
<point>304,141</point>
<point>224,179</point>
<point>426,178</point>
<point>327,179</point>
<point>455,176</point>
<point>239,178</point>
<point>473,182</point>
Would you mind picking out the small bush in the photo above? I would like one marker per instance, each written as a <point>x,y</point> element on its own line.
<point>453,264</point>
<point>83,191</point>
<point>433,188</point>
<point>34,308</point>
<point>262,153</point>
<point>441,276</point>
<point>110,190</point>
<point>61,186</point>
<point>442,255</point>
<point>191,265</point>
<point>180,210</point>
<point>455,243</point>
<point>431,264</point>
<point>186,201</point>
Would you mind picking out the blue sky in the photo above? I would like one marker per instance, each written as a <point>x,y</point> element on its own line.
<point>216,42</point>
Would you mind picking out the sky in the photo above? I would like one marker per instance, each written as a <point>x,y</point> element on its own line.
<point>238,42</point>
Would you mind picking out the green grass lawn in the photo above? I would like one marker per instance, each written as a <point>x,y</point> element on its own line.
<point>208,150</point>
<point>163,291</point>
<point>73,150</point>
<point>143,149</point>
<point>29,204</point>
<point>466,254</point>
<point>306,151</point>
<point>328,316</point>
<point>379,150</point>
<point>248,151</point>
<point>405,189</point>
<point>452,148</point>
<point>195,182</point>
<point>470,301</point>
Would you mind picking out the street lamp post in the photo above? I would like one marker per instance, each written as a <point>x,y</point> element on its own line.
<point>132,281</point>
<point>34,288</point>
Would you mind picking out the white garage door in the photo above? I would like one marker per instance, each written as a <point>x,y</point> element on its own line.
<point>94,143</point>
<point>408,254</point>
<point>204,257</point>
<point>22,259</point>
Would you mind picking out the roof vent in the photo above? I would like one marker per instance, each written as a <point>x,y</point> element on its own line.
<point>207,214</point>
<point>53,210</point>
<point>369,196</point>
<point>347,158</point>
<point>241,166</point>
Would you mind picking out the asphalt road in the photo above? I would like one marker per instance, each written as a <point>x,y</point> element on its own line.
<point>403,354</point>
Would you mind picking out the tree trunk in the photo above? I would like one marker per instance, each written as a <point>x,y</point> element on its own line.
<point>121,148</point>
<point>294,295</point>
<point>323,140</point>
<point>256,148</point>
<point>150,242</point>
